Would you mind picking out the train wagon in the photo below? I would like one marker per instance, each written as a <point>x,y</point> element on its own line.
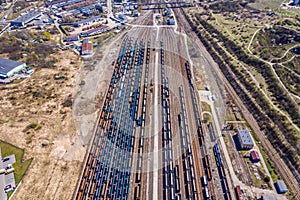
<point>82,184</point>
<point>138,177</point>
<point>204,180</point>
<point>104,186</point>
<point>86,171</point>
<point>238,193</point>
<point>137,192</point>
<point>206,193</point>
<point>93,189</point>
<point>79,196</point>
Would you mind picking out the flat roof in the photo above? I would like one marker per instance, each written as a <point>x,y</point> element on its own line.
<point>254,154</point>
<point>88,20</point>
<point>281,185</point>
<point>7,65</point>
<point>28,17</point>
<point>267,197</point>
<point>87,46</point>
<point>245,137</point>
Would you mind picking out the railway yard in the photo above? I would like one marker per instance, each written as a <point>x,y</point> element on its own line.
<point>149,140</point>
<point>158,105</point>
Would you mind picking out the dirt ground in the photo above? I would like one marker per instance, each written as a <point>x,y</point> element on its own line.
<point>50,106</point>
<point>39,101</point>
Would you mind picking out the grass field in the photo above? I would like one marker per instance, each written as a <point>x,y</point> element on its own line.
<point>266,4</point>
<point>20,165</point>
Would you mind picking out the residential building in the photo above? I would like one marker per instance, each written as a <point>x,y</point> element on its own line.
<point>10,67</point>
<point>25,19</point>
<point>71,38</point>
<point>281,187</point>
<point>245,139</point>
<point>87,47</point>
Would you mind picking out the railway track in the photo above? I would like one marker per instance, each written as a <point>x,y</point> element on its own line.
<point>108,170</point>
<point>283,169</point>
<point>114,167</point>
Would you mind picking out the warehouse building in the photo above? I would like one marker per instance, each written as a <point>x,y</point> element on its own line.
<point>245,139</point>
<point>281,187</point>
<point>25,19</point>
<point>10,67</point>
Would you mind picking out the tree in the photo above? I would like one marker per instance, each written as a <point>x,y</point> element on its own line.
<point>47,36</point>
<point>267,179</point>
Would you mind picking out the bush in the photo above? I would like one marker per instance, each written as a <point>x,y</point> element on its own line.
<point>267,179</point>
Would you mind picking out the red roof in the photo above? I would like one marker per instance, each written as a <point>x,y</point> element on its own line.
<point>88,46</point>
<point>254,155</point>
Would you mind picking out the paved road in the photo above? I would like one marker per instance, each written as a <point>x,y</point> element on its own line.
<point>156,122</point>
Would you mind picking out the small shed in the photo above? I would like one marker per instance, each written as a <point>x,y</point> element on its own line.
<point>281,187</point>
<point>254,156</point>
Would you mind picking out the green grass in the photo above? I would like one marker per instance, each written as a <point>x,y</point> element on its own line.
<point>20,166</point>
<point>206,117</point>
<point>270,165</point>
<point>205,107</point>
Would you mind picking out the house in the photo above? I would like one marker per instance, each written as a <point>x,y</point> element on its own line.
<point>171,22</point>
<point>245,139</point>
<point>254,156</point>
<point>71,38</point>
<point>281,187</point>
<point>10,67</point>
<point>87,47</point>
<point>25,19</point>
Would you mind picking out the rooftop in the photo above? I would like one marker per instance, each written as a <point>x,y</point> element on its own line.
<point>7,65</point>
<point>267,197</point>
<point>72,36</point>
<point>254,155</point>
<point>97,18</point>
<point>88,46</point>
<point>28,17</point>
<point>281,185</point>
<point>245,136</point>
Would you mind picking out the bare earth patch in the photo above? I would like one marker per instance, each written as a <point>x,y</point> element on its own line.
<point>39,109</point>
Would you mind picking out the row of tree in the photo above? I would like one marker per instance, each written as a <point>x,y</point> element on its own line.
<point>278,92</point>
<point>270,120</point>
